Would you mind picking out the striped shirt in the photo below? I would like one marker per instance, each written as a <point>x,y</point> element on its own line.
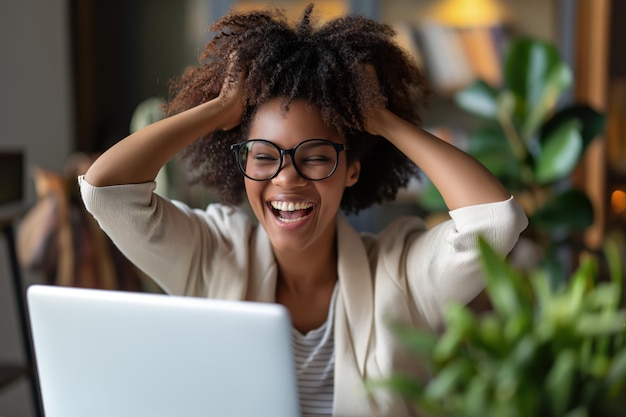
<point>315,364</point>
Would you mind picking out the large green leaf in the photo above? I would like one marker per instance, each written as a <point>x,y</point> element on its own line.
<point>449,378</point>
<point>559,153</point>
<point>490,146</point>
<point>616,374</point>
<point>570,209</point>
<point>502,166</point>
<point>503,283</point>
<point>531,67</point>
<point>560,382</point>
<point>592,122</point>
<point>480,99</point>
<point>489,138</point>
<point>557,81</point>
<point>614,246</point>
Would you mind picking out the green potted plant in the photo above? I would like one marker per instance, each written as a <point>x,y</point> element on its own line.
<point>531,142</point>
<point>541,351</point>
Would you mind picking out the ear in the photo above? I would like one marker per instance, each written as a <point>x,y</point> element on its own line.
<point>352,176</point>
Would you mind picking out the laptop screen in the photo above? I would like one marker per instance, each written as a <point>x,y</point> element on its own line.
<point>109,353</point>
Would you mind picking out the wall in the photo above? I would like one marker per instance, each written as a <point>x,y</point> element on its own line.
<point>531,17</point>
<point>35,111</point>
<point>35,115</point>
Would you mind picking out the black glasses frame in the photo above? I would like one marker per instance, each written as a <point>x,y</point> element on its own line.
<point>282,152</point>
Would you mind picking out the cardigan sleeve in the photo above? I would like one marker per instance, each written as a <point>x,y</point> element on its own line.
<point>172,243</point>
<point>442,265</point>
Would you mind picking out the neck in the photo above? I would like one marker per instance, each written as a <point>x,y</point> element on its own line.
<point>307,271</point>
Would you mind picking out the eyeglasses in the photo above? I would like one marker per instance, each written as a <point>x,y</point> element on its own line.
<point>313,159</point>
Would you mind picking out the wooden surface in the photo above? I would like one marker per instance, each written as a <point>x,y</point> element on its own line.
<point>591,87</point>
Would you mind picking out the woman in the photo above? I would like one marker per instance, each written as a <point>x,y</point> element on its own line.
<point>308,122</point>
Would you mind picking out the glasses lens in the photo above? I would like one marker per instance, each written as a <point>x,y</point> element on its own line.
<point>259,159</point>
<point>316,159</point>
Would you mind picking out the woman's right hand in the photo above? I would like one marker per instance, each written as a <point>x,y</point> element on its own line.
<point>231,98</point>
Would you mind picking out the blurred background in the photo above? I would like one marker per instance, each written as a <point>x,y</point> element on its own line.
<point>73,73</point>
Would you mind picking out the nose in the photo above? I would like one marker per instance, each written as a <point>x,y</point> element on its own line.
<point>287,175</point>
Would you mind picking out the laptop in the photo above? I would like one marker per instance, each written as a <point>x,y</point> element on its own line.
<point>123,354</point>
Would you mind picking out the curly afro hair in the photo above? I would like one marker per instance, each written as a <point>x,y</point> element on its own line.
<point>325,66</point>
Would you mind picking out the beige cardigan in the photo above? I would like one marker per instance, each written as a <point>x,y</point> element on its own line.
<point>403,274</point>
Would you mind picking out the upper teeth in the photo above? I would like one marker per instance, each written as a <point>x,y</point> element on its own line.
<point>291,206</point>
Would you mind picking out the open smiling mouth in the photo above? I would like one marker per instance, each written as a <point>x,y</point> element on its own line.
<point>290,212</point>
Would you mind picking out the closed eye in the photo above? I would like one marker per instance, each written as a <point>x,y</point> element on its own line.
<point>317,160</point>
<point>265,158</point>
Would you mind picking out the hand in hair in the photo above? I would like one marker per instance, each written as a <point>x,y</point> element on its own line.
<point>140,156</point>
<point>460,179</point>
<point>372,117</point>
<point>231,95</point>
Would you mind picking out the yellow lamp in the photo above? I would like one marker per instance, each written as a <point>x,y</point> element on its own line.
<point>468,13</point>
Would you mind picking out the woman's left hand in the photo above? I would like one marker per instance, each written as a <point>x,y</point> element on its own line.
<point>374,120</point>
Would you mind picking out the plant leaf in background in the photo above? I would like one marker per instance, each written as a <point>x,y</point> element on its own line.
<point>534,73</point>
<point>147,112</point>
<point>479,98</point>
<point>490,147</point>
<point>570,209</point>
<point>559,80</point>
<point>559,153</point>
<point>560,381</point>
<point>614,250</point>
<point>592,123</point>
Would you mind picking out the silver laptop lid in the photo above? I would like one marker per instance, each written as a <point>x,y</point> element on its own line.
<point>109,353</point>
